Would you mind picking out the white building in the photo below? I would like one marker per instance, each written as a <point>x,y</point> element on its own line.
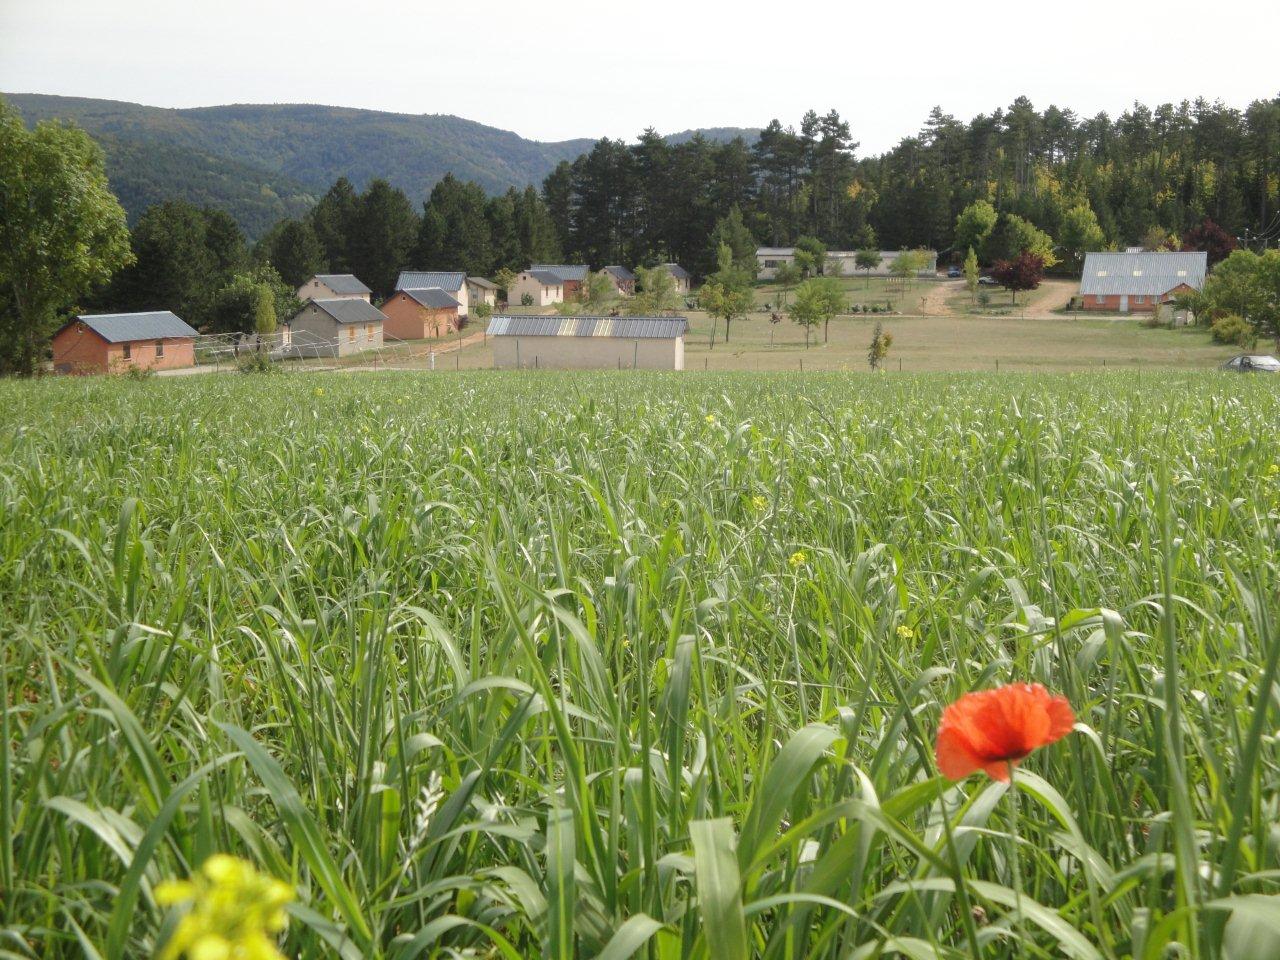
<point>839,263</point>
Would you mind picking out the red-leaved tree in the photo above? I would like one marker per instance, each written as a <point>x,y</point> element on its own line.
<point>1210,238</point>
<point>1023,272</point>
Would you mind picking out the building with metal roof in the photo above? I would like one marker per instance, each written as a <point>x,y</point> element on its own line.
<point>451,281</point>
<point>1139,281</point>
<point>107,342</point>
<point>581,343</point>
<point>420,314</point>
<point>571,272</point>
<point>328,286</point>
<point>682,277</point>
<point>840,262</point>
<point>536,288</point>
<point>336,327</point>
<point>624,281</point>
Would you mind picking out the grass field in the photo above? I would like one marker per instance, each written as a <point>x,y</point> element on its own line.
<point>594,666</point>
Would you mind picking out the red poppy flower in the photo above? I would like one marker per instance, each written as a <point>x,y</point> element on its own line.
<point>994,729</point>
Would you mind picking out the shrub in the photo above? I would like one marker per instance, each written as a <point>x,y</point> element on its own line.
<point>255,363</point>
<point>1233,329</point>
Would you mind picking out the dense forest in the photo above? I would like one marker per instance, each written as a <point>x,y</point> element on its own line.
<point>1147,172</point>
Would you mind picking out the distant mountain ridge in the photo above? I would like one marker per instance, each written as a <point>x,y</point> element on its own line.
<point>261,162</point>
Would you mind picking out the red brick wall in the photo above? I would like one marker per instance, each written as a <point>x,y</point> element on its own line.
<point>1112,303</point>
<point>409,320</point>
<point>77,349</point>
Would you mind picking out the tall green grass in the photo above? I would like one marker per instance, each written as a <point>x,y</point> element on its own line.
<point>505,666</point>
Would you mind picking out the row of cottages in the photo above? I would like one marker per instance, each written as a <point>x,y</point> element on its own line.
<point>1139,281</point>
<point>839,263</point>
<point>588,343</point>
<point>116,342</point>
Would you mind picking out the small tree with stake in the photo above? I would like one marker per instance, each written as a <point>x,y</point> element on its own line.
<point>726,294</point>
<point>1023,272</point>
<point>879,349</point>
<point>867,260</point>
<point>817,300</point>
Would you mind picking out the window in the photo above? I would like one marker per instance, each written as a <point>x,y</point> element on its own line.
<point>128,351</point>
<point>159,349</point>
<point>1137,273</point>
<point>1102,273</point>
<point>1182,273</point>
<point>1099,298</point>
<point>1141,299</point>
<point>351,334</point>
<point>368,331</point>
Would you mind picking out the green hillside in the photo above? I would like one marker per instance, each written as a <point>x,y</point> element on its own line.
<point>260,162</point>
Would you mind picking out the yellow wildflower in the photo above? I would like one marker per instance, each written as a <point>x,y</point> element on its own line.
<point>319,391</point>
<point>1273,469</point>
<point>235,912</point>
<point>905,632</point>
<point>759,502</point>
<point>797,560</point>
<point>711,418</point>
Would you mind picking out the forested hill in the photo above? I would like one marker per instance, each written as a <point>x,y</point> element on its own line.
<point>264,162</point>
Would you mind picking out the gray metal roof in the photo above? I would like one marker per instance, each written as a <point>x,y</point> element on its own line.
<point>623,328</point>
<point>565,271</point>
<point>422,279</point>
<point>124,327</point>
<point>484,282</point>
<point>620,273</point>
<point>342,283</point>
<point>350,311</point>
<point>546,277</point>
<point>677,271</point>
<point>432,297</point>
<point>1141,274</point>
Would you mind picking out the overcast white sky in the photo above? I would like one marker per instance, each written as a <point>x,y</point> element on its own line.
<point>572,68</point>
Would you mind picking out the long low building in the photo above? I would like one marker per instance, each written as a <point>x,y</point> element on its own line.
<point>844,262</point>
<point>1138,282</point>
<point>116,342</point>
<point>588,343</point>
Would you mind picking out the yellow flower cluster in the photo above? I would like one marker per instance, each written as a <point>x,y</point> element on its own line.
<point>759,502</point>
<point>235,912</point>
<point>797,560</point>
<point>711,418</point>
<point>905,632</point>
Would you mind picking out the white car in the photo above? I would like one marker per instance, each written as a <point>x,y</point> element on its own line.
<point>1253,363</point>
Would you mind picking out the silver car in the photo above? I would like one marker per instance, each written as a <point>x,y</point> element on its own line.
<point>1253,363</point>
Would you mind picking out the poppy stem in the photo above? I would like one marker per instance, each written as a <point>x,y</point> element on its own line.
<point>1015,856</point>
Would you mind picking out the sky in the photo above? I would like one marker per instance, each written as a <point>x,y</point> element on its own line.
<point>568,68</point>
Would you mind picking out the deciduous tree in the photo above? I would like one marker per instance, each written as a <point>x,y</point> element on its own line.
<point>1023,272</point>
<point>62,232</point>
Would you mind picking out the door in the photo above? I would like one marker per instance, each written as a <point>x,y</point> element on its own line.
<point>1124,303</point>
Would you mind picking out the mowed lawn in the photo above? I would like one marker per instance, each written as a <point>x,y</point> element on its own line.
<point>933,334</point>
<point>650,665</point>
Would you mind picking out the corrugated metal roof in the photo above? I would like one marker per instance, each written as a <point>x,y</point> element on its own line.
<point>123,327</point>
<point>677,271</point>
<point>482,282</point>
<point>432,297</point>
<point>1141,274</point>
<point>546,277</point>
<point>620,273</point>
<point>350,311</point>
<point>623,328</point>
<point>565,271</point>
<point>342,283</point>
<point>422,279</point>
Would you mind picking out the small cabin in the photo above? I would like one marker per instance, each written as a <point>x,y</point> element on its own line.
<point>116,342</point>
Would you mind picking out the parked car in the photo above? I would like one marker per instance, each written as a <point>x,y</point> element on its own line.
<point>988,282</point>
<point>954,273</point>
<point>1253,363</point>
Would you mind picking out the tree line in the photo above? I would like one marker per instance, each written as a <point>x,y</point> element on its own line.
<point>1097,180</point>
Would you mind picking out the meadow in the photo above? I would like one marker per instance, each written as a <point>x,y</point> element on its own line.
<point>643,665</point>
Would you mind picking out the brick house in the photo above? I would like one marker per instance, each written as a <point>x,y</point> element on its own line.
<point>335,328</point>
<point>623,279</point>
<point>1138,282</point>
<point>115,342</point>
<point>572,277</point>
<point>420,314</point>
<point>452,282</point>
<point>333,286</point>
